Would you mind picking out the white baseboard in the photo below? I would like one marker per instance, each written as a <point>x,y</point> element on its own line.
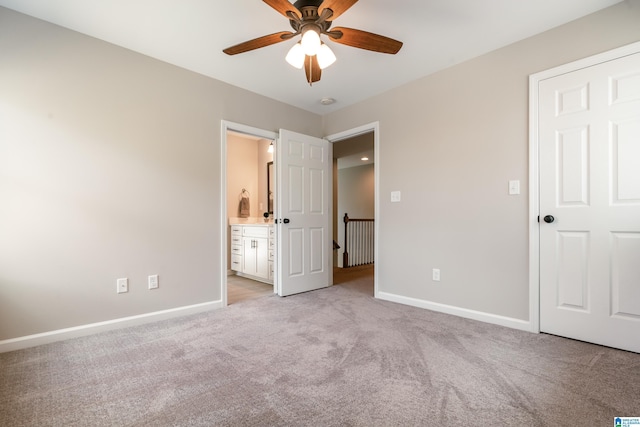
<point>509,322</point>
<point>92,328</point>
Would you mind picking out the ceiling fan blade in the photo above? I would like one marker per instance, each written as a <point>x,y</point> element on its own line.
<point>312,69</point>
<point>259,42</point>
<point>338,7</point>
<point>284,7</point>
<point>364,40</point>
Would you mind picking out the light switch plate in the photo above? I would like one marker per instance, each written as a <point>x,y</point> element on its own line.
<point>396,196</point>
<point>514,187</point>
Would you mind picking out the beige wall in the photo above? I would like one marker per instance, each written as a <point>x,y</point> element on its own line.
<point>242,173</point>
<point>451,142</point>
<point>109,167</point>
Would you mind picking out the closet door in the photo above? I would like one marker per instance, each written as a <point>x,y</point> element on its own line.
<point>590,204</point>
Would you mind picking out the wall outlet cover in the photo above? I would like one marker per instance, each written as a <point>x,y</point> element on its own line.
<point>122,285</point>
<point>153,282</point>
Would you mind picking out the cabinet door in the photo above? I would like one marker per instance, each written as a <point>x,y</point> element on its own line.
<point>250,255</point>
<point>256,256</point>
<point>262,257</point>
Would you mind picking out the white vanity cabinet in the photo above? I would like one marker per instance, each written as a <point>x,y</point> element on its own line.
<point>255,246</point>
<point>252,251</point>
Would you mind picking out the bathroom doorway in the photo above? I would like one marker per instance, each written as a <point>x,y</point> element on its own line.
<point>250,190</point>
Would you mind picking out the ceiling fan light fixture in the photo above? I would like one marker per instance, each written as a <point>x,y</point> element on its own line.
<point>326,57</point>
<point>295,57</point>
<point>310,42</point>
<point>310,19</point>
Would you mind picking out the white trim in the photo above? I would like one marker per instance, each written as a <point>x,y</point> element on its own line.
<point>534,172</point>
<point>351,133</point>
<point>93,328</point>
<point>225,127</point>
<point>494,319</point>
<point>330,208</point>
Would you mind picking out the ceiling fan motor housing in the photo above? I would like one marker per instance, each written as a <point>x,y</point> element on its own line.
<point>309,12</point>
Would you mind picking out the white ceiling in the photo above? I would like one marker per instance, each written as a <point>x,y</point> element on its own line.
<point>192,33</point>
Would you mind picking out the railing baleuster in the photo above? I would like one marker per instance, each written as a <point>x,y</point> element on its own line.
<point>358,241</point>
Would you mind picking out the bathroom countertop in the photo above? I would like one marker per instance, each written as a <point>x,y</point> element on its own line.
<point>249,221</point>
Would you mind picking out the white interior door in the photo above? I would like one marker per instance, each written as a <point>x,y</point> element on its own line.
<point>303,229</point>
<point>589,133</point>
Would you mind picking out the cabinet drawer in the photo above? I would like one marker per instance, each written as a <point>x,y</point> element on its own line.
<point>236,240</point>
<point>236,249</point>
<point>255,231</point>
<point>272,232</point>
<point>270,270</point>
<point>236,229</point>
<point>272,255</point>
<point>236,263</point>
<point>272,244</point>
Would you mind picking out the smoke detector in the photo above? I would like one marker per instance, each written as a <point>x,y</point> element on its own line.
<point>327,101</point>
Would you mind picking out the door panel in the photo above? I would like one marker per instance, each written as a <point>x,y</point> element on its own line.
<point>296,251</point>
<point>304,201</point>
<point>590,183</point>
<point>626,170</point>
<point>572,285</point>
<point>626,275</point>
<point>573,165</point>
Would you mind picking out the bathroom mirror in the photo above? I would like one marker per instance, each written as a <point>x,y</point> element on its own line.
<point>271,187</point>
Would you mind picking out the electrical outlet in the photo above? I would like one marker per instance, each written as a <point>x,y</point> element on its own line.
<point>122,285</point>
<point>153,282</point>
<point>436,274</point>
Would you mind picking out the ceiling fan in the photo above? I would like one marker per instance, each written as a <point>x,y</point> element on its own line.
<point>311,19</point>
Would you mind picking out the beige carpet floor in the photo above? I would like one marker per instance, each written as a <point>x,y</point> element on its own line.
<point>334,357</point>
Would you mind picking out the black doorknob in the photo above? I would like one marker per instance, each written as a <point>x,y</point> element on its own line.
<point>286,220</point>
<point>549,219</point>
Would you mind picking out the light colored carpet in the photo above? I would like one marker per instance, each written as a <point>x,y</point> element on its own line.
<point>334,357</point>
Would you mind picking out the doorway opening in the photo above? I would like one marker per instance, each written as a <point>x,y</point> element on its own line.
<point>248,269</point>
<point>355,204</point>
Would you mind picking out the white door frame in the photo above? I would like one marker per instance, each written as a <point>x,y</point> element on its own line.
<point>375,128</point>
<point>225,127</point>
<point>534,165</point>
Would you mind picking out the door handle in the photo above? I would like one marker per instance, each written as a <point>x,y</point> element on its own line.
<point>549,219</point>
<point>286,220</point>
